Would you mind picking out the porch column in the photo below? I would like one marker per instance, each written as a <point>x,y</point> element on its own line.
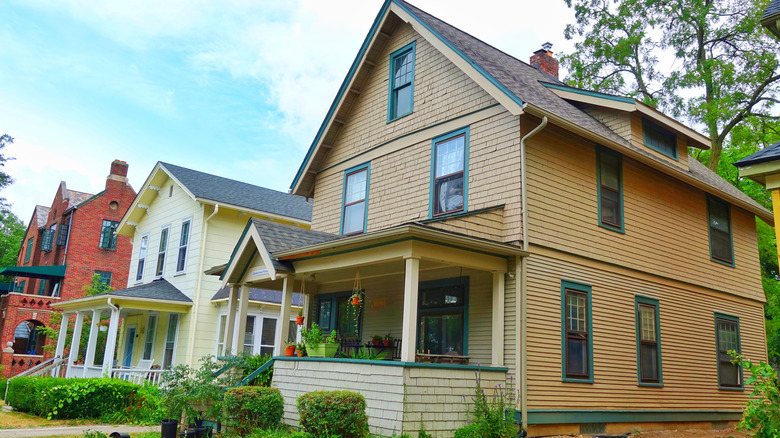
<point>74,343</point>
<point>498,320</point>
<point>284,314</point>
<point>230,321</point>
<point>89,360</point>
<point>238,347</point>
<point>61,341</point>
<point>411,289</point>
<point>108,355</point>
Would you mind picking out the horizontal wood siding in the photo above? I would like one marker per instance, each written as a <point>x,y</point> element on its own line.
<point>666,228</point>
<point>618,121</point>
<point>687,339</point>
<point>487,225</point>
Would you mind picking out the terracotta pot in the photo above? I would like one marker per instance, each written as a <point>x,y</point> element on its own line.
<point>387,342</point>
<point>300,353</point>
<point>289,350</point>
<point>375,342</point>
<point>355,301</point>
<point>299,320</point>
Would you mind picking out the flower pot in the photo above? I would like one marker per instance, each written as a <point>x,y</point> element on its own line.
<point>355,301</point>
<point>300,353</point>
<point>299,320</point>
<point>387,342</point>
<point>168,428</point>
<point>322,350</point>
<point>375,342</point>
<point>289,350</point>
<point>197,432</point>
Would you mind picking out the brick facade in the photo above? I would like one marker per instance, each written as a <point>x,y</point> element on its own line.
<point>83,215</point>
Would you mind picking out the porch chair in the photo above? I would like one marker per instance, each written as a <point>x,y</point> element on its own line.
<point>138,373</point>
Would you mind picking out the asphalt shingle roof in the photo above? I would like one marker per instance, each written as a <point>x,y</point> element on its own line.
<point>220,189</point>
<point>772,9</point>
<point>77,198</point>
<point>41,215</point>
<point>159,289</point>
<point>769,153</point>
<point>279,237</point>
<point>266,295</point>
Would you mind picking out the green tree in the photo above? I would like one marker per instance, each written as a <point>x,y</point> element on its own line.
<point>723,66</point>
<point>11,235</point>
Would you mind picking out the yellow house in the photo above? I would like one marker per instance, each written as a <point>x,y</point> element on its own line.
<point>559,240</point>
<point>181,223</point>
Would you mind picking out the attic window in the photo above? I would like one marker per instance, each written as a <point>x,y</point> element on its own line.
<point>400,102</point>
<point>659,139</point>
<point>170,191</point>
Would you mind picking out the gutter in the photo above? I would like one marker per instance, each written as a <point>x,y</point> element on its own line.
<point>523,281</point>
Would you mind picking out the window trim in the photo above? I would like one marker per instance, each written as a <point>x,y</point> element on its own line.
<point>334,298</point>
<point>148,333</point>
<point>465,131</point>
<point>142,269</point>
<point>586,289</point>
<point>735,319</point>
<point>645,124</point>
<point>731,231</point>
<point>464,281</point>
<point>165,253</point>
<point>642,300</point>
<point>347,173</point>
<point>220,340</point>
<point>603,150</point>
<point>113,239</point>
<point>391,80</point>
<point>187,220</point>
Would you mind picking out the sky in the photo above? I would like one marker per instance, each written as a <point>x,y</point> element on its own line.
<point>237,88</point>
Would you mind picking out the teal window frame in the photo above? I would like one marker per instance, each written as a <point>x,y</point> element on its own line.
<point>454,281</point>
<point>334,299</point>
<point>734,319</point>
<point>47,239</point>
<point>647,301</point>
<point>108,237</point>
<point>466,132</point>
<point>62,234</point>
<point>391,99</point>
<point>105,277</point>
<point>28,253</point>
<point>713,199</point>
<point>42,287</point>
<point>588,290</point>
<point>600,151</point>
<point>347,173</point>
<point>648,125</point>
<point>20,286</point>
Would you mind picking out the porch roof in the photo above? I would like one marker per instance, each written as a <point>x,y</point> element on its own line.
<point>47,272</point>
<point>157,295</point>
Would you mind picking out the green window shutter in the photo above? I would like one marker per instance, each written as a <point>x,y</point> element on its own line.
<point>47,238</point>
<point>28,254</point>
<point>62,235</point>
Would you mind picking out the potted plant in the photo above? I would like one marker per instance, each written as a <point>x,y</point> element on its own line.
<point>299,318</point>
<point>289,349</point>
<point>376,340</point>
<point>315,347</point>
<point>357,297</point>
<point>388,341</point>
<point>173,398</point>
<point>301,349</point>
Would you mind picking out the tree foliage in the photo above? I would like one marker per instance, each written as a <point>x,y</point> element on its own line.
<point>708,61</point>
<point>12,232</point>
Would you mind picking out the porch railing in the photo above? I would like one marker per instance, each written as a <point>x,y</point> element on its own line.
<point>141,377</point>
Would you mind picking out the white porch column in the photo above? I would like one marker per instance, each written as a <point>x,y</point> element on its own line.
<point>284,315</point>
<point>76,340</point>
<point>108,355</point>
<point>411,292</point>
<point>238,345</point>
<point>61,341</point>
<point>498,320</point>
<point>89,360</point>
<point>230,321</point>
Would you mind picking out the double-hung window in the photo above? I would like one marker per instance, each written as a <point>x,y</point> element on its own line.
<point>249,335</point>
<point>142,249</point>
<point>659,139</point>
<point>170,340</point>
<point>648,340</point>
<point>29,251</point>
<point>108,234</point>
<point>727,339</point>
<point>268,336</point>
<point>151,333</point>
<point>449,190</point>
<point>105,277</point>
<point>163,248</point>
<point>721,245</point>
<point>610,185</point>
<point>181,259</point>
<point>62,235</point>
<point>577,342</point>
<point>401,99</point>
<point>354,209</point>
<point>221,334</point>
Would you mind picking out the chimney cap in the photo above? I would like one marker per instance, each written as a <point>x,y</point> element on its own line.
<point>547,46</point>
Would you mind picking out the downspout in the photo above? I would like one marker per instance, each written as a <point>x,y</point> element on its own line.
<point>523,280</point>
<point>198,281</point>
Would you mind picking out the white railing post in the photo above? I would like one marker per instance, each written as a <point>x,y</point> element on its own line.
<point>64,323</point>
<point>75,342</point>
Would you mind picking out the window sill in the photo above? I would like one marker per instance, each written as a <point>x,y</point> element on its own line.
<point>651,385</point>
<point>574,380</point>
<point>179,274</point>
<point>731,388</point>
<point>731,265</point>
<point>389,120</point>
<point>448,214</point>
<point>612,228</point>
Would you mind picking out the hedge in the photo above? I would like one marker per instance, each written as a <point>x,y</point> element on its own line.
<point>77,398</point>
<point>253,407</point>
<point>328,413</point>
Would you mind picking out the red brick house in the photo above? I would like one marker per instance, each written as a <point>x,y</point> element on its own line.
<point>65,245</point>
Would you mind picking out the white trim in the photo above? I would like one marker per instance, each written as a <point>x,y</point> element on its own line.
<point>258,327</point>
<point>220,339</point>
<point>165,253</point>
<point>146,257</point>
<point>187,220</point>
<point>121,361</point>
<point>154,335</point>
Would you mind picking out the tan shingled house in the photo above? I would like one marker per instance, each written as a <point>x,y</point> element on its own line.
<point>550,236</point>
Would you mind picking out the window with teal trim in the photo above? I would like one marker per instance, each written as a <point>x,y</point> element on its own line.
<point>42,288</point>
<point>62,234</point>
<point>660,139</point>
<point>335,312</point>
<point>450,173</point>
<point>719,217</point>
<point>610,181</point>
<point>47,238</point>
<point>648,341</point>
<point>108,234</point>
<point>577,342</point>
<point>442,318</point>
<point>20,286</point>
<point>105,277</point>
<point>354,208</point>
<point>29,251</point>
<point>727,338</point>
<point>401,98</point>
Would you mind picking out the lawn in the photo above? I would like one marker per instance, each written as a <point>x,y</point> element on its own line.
<point>19,420</point>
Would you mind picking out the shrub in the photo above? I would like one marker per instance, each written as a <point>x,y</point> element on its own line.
<point>253,407</point>
<point>327,413</point>
<point>492,416</point>
<point>761,416</point>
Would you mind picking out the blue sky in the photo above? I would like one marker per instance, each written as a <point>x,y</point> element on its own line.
<point>236,88</point>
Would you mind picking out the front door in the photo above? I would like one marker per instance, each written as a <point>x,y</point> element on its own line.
<point>127,356</point>
<point>334,312</point>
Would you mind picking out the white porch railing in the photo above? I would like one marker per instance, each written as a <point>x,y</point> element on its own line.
<point>38,370</point>
<point>138,376</point>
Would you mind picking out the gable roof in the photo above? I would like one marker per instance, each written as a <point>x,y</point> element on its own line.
<point>524,86</point>
<point>256,294</point>
<point>772,9</point>
<point>769,153</point>
<point>159,289</point>
<point>41,214</point>
<point>77,198</point>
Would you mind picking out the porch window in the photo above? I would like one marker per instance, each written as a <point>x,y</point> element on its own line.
<point>401,101</point>
<point>105,277</point>
<point>450,173</point>
<point>151,333</point>
<point>143,247</point>
<point>659,139</point>
<point>354,211</point>
<point>42,288</point>
<point>161,252</point>
<point>648,338</point>
<point>62,235</point>
<point>28,253</point>
<point>727,334</point>
<point>610,181</point>
<point>170,340</point>
<point>442,316</point>
<point>577,328</point>
<point>334,312</point>
<point>108,234</point>
<point>249,335</point>
<point>181,260</point>
<point>20,286</point>
<point>268,336</point>
<point>721,245</point>
<point>221,335</point>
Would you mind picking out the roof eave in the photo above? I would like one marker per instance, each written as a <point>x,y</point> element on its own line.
<point>253,211</point>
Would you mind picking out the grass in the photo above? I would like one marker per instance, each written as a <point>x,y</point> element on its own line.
<point>19,420</point>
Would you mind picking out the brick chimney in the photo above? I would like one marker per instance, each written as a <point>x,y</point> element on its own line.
<point>544,61</point>
<point>118,171</point>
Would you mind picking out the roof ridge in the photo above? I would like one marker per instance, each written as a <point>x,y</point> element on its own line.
<point>225,178</point>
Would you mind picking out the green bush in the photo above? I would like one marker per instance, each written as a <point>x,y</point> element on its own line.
<point>491,416</point>
<point>253,407</point>
<point>761,415</point>
<point>327,413</point>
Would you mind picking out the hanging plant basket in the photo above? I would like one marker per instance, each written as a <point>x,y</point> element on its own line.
<point>356,300</point>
